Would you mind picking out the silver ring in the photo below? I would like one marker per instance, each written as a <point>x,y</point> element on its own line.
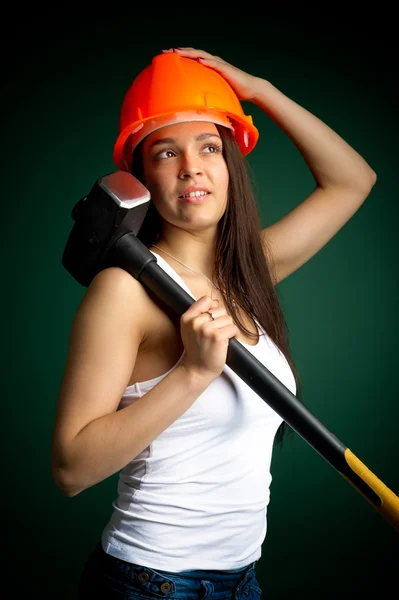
<point>212,315</point>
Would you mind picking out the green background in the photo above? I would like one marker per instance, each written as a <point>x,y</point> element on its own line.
<point>62,86</point>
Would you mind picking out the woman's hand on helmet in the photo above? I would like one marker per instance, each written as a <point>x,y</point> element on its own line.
<point>244,84</point>
<point>206,337</point>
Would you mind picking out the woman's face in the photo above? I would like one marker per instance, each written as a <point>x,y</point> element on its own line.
<point>186,174</point>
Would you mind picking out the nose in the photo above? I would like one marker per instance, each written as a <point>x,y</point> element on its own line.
<point>189,166</point>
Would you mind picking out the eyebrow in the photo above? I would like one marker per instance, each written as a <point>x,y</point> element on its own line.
<point>199,138</point>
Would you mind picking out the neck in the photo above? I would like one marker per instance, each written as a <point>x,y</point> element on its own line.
<point>199,254</point>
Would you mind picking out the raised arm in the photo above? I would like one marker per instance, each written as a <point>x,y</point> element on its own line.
<point>343,181</point>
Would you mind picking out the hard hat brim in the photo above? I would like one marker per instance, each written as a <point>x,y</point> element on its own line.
<point>245,132</point>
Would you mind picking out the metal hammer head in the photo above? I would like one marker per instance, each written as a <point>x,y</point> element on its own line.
<point>116,204</point>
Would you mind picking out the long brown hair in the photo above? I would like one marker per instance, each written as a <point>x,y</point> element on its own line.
<point>243,265</point>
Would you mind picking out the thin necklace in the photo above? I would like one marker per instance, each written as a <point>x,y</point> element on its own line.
<point>191,269</point>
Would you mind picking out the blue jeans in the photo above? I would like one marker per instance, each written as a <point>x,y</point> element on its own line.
<point>106,577</point>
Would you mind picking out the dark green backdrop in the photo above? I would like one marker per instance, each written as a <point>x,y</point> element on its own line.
<point>62,89</point>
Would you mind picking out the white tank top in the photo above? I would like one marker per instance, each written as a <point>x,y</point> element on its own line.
<point>197,496</point>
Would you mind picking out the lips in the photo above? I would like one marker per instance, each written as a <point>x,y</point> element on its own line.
<point>194,189</point>
<point>194,199</point>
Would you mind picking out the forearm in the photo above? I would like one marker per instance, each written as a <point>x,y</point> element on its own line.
<point>332,161</point>
<point>107,444</point>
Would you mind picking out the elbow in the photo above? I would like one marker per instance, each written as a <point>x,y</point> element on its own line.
<point>68,492</point>
<point>66,489</point>
<point>366,181</point>
<point>356,185</point>
<point>363,185</point>
<point>64,482</point>
<point>372,179</point>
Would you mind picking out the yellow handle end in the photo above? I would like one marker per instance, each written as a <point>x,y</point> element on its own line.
<point>389,507</point>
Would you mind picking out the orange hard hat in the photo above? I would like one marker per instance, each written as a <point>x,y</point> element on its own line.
<point>175,89</point>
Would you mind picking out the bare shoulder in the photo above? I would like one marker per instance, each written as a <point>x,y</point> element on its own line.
<point>115,294</point>
<point>114,281</point>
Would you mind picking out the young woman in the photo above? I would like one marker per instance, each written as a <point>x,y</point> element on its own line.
<point>150,396</point>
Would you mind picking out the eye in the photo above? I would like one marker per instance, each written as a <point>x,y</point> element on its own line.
<point>212,148</point>
<point>164,154</point>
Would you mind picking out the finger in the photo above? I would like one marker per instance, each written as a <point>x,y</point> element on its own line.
<point>193,53</point>
<point>209,316</point>
<point>186,50</point>
<point>215,313</point>
<point>209,325</point>
<point>197,53</point>
<point>189,50</point>
<point>202,57</point>
<point>220,334</point>
<point>197,308</point>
